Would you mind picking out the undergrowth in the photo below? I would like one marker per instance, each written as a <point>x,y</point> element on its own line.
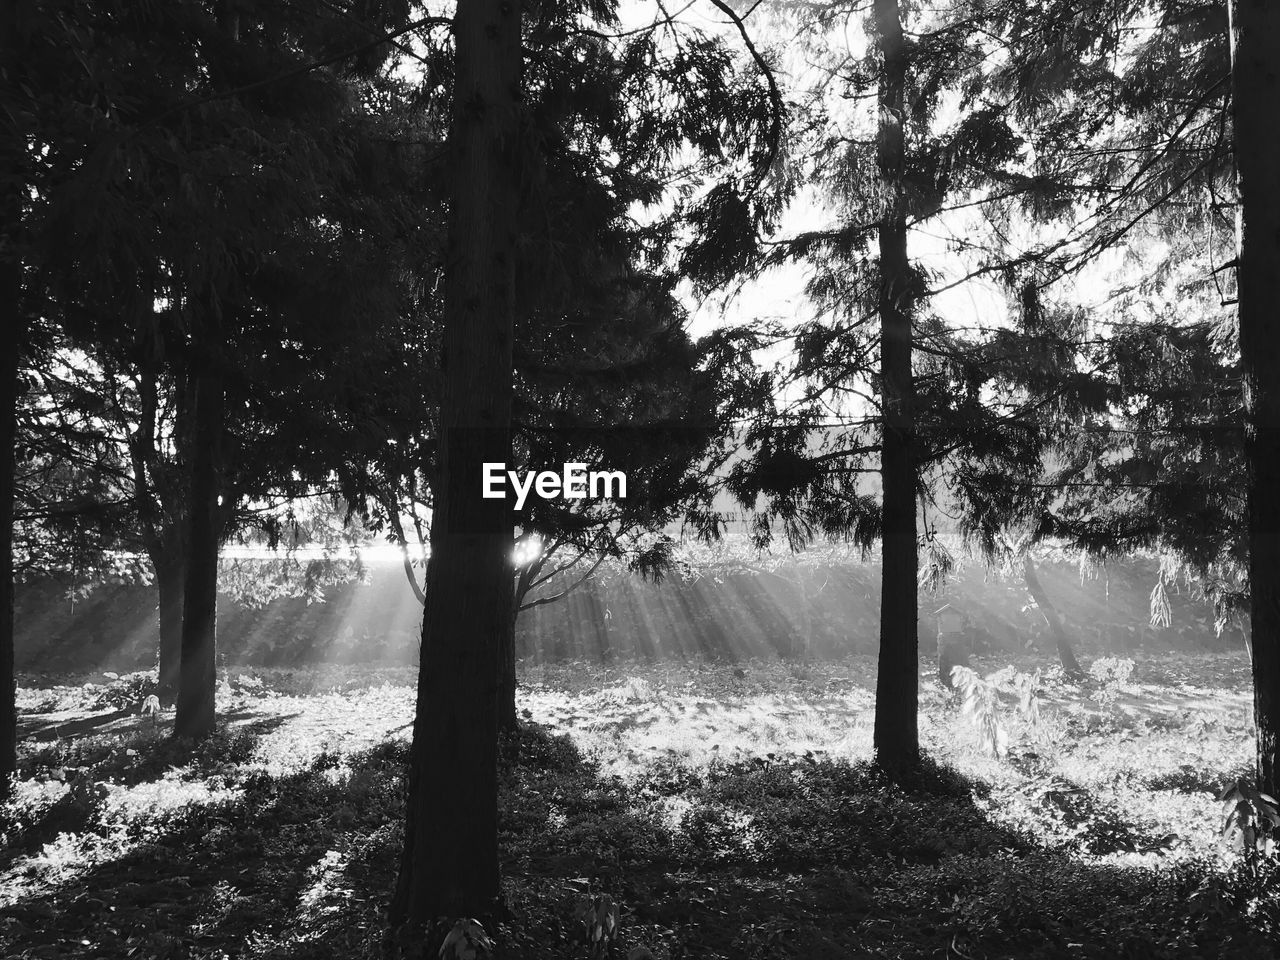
<point>140,847</point>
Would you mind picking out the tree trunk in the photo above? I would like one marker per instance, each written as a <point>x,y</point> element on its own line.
<point>1067,656</point>
<point>160,514</point>
<point>896,738</point>
<point>171,573</point>
<point>197,678</point>
<point>507,715</point>
<point>10,290</point>
<point>12,312</point>
<point>1256,90</point>
<point>449,866</point>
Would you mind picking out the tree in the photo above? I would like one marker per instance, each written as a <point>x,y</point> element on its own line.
<point>1255,86</point>
<point>15,321</point>
<point>1173,480</point>
<point>449,862</point>
<point>1051,141</point>
<point>152,241</point>
<point>22,31</point>
<point>880,385</point>
<point>217,224</point>
<point>605,372</point>
<point>449,867</point>
<point>1131,454</point>
<point>897,742</point>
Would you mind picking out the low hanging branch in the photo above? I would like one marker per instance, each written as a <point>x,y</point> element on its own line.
<point>775,95</point>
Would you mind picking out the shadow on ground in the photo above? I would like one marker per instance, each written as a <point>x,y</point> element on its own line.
<point>797,858</point>
<point>143,751</point>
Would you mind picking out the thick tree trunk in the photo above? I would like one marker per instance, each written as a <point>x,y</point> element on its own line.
<point>896,738</point>
<point>449,866</point>
<point>1067,656</point>
<point>1256,89</point>
<point>171,574</point>
<point>197,678</point>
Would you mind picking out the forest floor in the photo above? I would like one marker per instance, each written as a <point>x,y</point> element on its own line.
<point>729,809</point>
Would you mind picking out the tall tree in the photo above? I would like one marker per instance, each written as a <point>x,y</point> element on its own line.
<point>1256,90</point>
<point>879,384</point>
<point>896,739</point>
<point>449,867</point>
<point>670,109</point>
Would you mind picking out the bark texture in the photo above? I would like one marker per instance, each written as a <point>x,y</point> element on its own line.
<point>161,508</point>
<point>171,575</point>
<point>10,290</point>
<point>896,738</point>
<point>14,321</point>
<point>508,721</point>
<point>449,865</point>
<point>1256,91</point>
<point>197,677</point>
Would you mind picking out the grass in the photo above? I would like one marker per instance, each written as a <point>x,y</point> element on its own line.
<point>730,809</point>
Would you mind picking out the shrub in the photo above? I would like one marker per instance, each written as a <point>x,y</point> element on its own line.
<point>631,690</point>
<point>123,692</point>
<point>980,704</point>
<point>1112,673</point>
<point>1252,819</point>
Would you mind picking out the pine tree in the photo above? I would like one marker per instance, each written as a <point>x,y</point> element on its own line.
<point>880,385</point>
<point>896,740</point>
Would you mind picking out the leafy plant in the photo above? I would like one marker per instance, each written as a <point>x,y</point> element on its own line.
<point>466,941</point>
<point>980,704</point>
<point>597,916</point>
<point>1161,614</point>
<point>1252,818</point>
<point>1112,673</point>
<point>632,690</point>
